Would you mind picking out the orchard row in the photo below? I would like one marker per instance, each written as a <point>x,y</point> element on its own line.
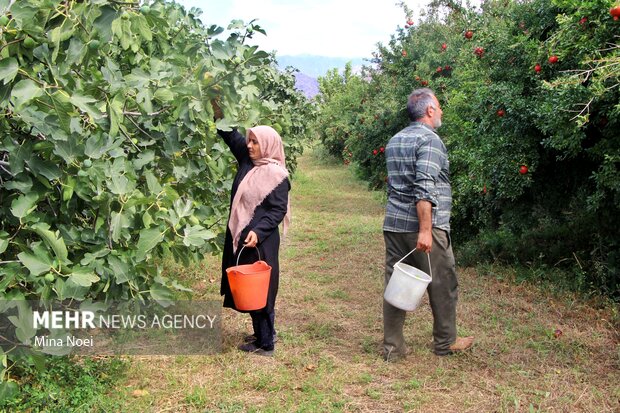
<point>109,157</point>
<point>530,94</point>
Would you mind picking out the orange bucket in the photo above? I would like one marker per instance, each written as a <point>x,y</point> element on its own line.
<point>249,284</point>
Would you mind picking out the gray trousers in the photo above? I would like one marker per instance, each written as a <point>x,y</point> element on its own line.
<point>442,291</point>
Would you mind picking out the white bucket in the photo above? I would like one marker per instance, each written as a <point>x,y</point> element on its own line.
<point>407,285</point>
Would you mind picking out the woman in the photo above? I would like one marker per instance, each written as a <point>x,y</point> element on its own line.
<point>259,202</point>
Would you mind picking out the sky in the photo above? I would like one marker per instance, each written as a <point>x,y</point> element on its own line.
<point>335,28</point>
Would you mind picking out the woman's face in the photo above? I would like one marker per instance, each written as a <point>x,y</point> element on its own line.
<point>253,147</point>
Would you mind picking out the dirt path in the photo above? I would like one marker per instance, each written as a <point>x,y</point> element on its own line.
<point>330,329</point>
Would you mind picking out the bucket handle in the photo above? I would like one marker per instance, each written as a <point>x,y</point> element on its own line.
<point>428,255</point>
<point>257,249</point>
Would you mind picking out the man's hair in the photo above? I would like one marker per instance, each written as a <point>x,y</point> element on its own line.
<point>418,101</point>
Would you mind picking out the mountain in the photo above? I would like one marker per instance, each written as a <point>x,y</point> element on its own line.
<point>306,84</point>
<point>311,67</point>
<point>315,66</point>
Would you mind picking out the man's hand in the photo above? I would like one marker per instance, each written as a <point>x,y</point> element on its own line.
<point>251,240</point>
<point>425,233</point>
<point>425,241</point>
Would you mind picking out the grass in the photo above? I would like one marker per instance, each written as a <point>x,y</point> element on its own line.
<point>329,321</point>
<point>67,384</point>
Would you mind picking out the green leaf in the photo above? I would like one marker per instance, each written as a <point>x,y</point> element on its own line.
<point>91,257</point>
<point>84,104</point>
<point>19,155</point>
<point>8,69</point>
<point>119,221</point>
<point>225,124</point>
<point>138,78</point>
<point>4,6</point>
<point>261,54</point>
<point>46,168</point>
<point>83,277</point>
<point>76,51</point>
<point>259,29</point>
<point>183,208</point>
<point>68,188</point>
<point>221,50</point>
<point>161,294</point>
<point>24,91</point>
<point>120,268</point>
<point>145,158</point>
<point>5,93</point>
<point>144,99</point>
<point>179,287</point>
<point>53,240</point>
<point>61,33</point>
<point>214,30</point>
<point>63,109</point>
<point>152,183</point>
<point>22,184</point>
<point>37,264</point>
<point>142,27</point>
<point>115,112</point>
<point>8,278</point>
<point>96,307</point>
<point>116,27</point>
<point>69,150</point>
<point>149,238</point>
<point>126,37</point>
<point>60,288</point>
<point>24,205</point>
<point>69,289</point>
<point>147,219</point>
<point>38,361</point>
<point>164,95</point>
<point>249,91</point>
<point>24,15</point>
<point>197,235</point>
<point>8,390</point>
<point>4,241</point>
<point>120,185</point>
<point>97,146</point>
<point>103,24</point>
<point>23,322</point>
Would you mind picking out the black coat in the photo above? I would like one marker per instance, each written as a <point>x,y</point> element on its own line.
<point>267,216</point>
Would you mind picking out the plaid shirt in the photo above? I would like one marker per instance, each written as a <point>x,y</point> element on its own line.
<point>418,169</point>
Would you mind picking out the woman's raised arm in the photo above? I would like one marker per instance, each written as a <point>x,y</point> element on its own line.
<point>237,144</point>
<point>235,141</point>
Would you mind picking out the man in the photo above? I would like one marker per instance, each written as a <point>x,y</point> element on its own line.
<point>418,216</point>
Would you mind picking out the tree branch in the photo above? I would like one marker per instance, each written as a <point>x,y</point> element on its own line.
<point>159,112</point>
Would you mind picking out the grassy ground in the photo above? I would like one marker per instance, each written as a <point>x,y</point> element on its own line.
<point>330,329</point>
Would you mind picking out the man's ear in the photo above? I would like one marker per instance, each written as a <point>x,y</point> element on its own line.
<point>430,110</point>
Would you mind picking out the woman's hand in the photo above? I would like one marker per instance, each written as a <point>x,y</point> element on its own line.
<point>217,110</point>
<point>251,240</point>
